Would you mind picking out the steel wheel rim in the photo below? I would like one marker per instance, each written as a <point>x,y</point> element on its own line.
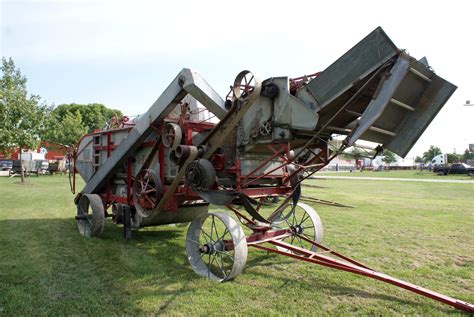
<point>91,206</point>
<point>303,221</point>
<point>207,243</point>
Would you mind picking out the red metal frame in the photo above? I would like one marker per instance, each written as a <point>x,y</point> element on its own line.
<point>184,192</point>
<point>260,236</point>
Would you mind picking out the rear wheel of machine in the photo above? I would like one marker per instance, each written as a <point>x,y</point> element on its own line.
<point>216,246</point>
<point>90,215</point>
<point>303,221</point>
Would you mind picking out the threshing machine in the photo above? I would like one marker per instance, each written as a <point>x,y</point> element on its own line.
<point>192,148</point>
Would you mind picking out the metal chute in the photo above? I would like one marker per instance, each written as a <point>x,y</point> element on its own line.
<point>377,92</point>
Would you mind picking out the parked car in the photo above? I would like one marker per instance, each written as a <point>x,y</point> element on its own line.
<point>456,168</point>
<point>6,165</point>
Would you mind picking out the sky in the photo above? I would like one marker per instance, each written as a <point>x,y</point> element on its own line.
<point>125,53</point>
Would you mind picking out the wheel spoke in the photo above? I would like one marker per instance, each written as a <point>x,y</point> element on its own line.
<point>206,234</point>
<point>197,260</point>
<point>250,81</point>
<point>147,180</point>
<point>146,192</point>
<point>300,242</point>
<point>304,218</point>
<point>209,266</point>
<point>221,265</point>
<point>223,235</point>
<point>197,242</point>
<point>150,200</point>
<point>213,257</point>
<point>212,228</point>
<point>227,254</point>
<point>217,233</point>
<point>142,184</point>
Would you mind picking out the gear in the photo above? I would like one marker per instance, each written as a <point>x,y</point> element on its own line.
<point>266,128</point>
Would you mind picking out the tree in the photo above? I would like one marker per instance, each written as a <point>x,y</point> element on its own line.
<point>65,130</point>
<point>355,153</point>
<point>21,116</point>
<point>388,157</point>
<point>431,153</point>
<point>67,123</point>
<point>453,157</point>
<point>467,155</point>
<point>94,116</point>
<point>419,159</point>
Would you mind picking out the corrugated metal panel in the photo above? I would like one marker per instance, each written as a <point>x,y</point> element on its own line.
<point>394,117</point>
<point>414,123</point>
<point>374,50</point>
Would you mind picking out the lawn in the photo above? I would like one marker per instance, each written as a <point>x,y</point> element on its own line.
<point>417,174</point>
<point>421,232</point>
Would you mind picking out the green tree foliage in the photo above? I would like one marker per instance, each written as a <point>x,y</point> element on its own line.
<point>467,155</point>
<point>388,157</point>
<point>22,116</point>
<point>67,123</point>
<point>419,159</point>
<point>355,153</point>
<point>94,116</point>
<point>65,130</point>
<point>453,157</point>
<point>432,152</point>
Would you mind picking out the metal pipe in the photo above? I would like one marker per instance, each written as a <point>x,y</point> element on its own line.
<point>417,73</point>
<point>382,131</point>
<point>401,104</point>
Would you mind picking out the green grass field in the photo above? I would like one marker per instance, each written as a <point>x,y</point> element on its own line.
<point>425,174</point>
<point>421,232</point>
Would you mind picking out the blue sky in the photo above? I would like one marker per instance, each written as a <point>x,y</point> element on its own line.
<point>124,53</point>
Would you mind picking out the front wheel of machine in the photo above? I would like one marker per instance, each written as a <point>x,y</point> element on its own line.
<point>90,215</point>
<point>216,246</point>
<point>303,221</point>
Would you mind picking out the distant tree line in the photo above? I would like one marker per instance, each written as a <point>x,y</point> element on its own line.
<point>357,153</point>
<point>389,157</point>
<point>433,151</point>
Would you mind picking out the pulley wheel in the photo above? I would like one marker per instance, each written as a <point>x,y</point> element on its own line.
<point>90,216</point>
<point>306,222</point>
<point>246,84</point>
<point>147,192</point>
<point>216,246</point>
<point>201,174</point>
<point>172,135</point>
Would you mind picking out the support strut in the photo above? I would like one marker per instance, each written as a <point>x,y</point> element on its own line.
<point>352,266</point>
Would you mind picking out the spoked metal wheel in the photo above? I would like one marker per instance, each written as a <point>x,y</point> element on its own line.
<point>216,246</point>
<point>245,84</point>
<point>90,216</point>
<point>303,221</point>
<point>147,192</point>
